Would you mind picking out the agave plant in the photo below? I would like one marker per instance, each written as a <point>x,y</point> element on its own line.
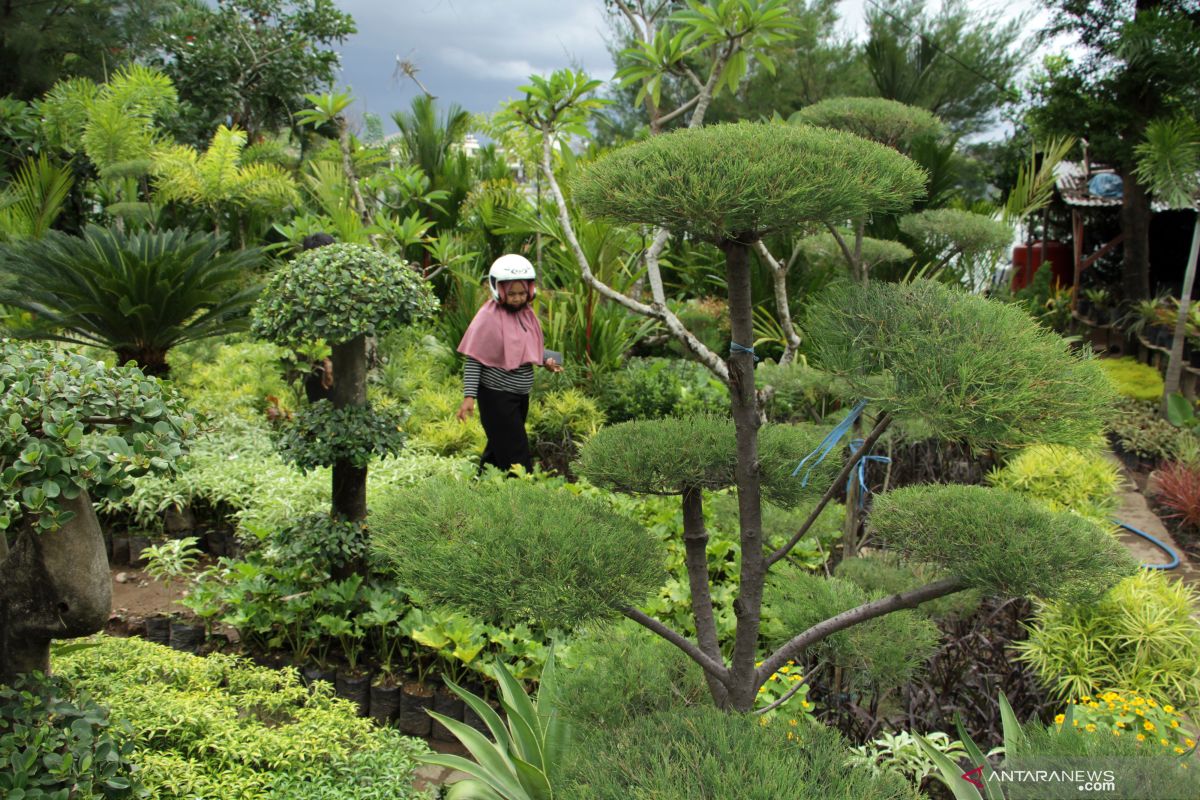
<point>520,764</point>
<point>136,294</point>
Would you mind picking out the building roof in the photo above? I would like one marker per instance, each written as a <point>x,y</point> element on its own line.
<point>1071,180</point>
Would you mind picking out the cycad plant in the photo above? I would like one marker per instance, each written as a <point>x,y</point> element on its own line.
<point>136,294</point>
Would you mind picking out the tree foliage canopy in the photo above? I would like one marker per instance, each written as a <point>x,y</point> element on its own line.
<point>671,455</point>
<point>1000,541</point>
<point>878,119</point>
<point>747,179</point>
<point>339,292</point>
<point>74,425</point>
<point>976,370</point>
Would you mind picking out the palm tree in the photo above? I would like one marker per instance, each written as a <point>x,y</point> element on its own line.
<point>430,144</point>
<point>136,294</point>
<point>1169,164</point>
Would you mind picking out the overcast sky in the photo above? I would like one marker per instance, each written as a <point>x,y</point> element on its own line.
<point>477,52</point>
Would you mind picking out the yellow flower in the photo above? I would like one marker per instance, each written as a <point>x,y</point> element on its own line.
<point>1141,737</point>
<point>1190,742</point>
<point>1178,749</point>
<point>1148,725</point>
<point>792,722</point>
<point>1169,709</point>
<point>791,735</point>
<point>1058,720</point>
<point>1090,727</point>
<point>1174,723</point>
<point>1163,742</point>
<point>1116,733</point>
<point>1120,724</point>
<point>1075,722</point>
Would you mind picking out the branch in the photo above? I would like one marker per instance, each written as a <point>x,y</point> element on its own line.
<point>867,611</point>
<point>867,444</point>
<point>665,118</point>
<point>779,273</point>
<point>837,237</point>
<point>658,310</point>
<point>707,662</point>
<point>800,684</point>
<point>633,22</point>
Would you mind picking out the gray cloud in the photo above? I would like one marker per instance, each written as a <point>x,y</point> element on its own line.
<point>471,52</point>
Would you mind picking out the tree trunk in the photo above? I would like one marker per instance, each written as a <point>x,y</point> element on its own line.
<point>1175,365</point>
<point>695,541</point>
<point>1135,224</point>
<point>52,586</point>
<point>349,482</point>
<point>748,605</point>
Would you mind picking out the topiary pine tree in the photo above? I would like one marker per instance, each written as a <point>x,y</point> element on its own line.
<point>74,429</point>
<point>341,294</point>
<point>974,370</point>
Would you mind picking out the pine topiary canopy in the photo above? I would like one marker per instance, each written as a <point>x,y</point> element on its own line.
<point>742,180</point>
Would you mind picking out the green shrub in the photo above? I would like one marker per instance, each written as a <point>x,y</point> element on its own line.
<point>702,752</point>
<point>236,470</point>
<point>886,574</point>
<point>1133,379</point>
<point>1063,479</point>
<point>221,727</point>
<point>1142,432</point>
<point>56,742</point>
<point>1140,637</point>
<point>565,418</point>
<point>1023,549</point>
<point>230,379</point>
<point>708,320</point>
<point>644,388</point>
<point>515,552</point>
<point>880,654</point>
<point>323,434</point>
<point>621,672</point>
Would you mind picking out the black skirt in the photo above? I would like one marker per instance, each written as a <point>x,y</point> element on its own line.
<point>503,416</point>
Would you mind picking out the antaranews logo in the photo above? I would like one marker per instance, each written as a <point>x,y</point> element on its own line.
<point>1084,780</point>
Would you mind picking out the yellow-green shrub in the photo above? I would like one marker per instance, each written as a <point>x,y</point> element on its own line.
<point>222,727</point>
<point>230,378</point>
<point>1063,479</point>
<point>1140,637</point>
<point>564,417</point>
<point>1133,378</point>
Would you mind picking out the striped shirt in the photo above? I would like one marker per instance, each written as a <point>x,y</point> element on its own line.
<point>517,381</point>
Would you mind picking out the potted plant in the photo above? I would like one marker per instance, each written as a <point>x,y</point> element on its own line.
<point>1093,305</point>
<point>352,681</point>
<point>383,620</point>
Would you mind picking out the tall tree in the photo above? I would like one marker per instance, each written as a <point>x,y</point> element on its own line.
<point>249,63</point>
<point>957,63</point>
<point>1139,63</point>
<point>42,43</point>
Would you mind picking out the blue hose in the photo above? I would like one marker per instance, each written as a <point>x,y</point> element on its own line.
<point>1174,562</point>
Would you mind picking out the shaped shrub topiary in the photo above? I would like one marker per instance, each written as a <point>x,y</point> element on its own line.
<point>976,370</point>
<point>72,428</point>
<point>1001,542</point>
<point>342,293</point>
<point>457,543</point>
<point>339,292</point>
<point>644,457</point>
<point>885,121</point>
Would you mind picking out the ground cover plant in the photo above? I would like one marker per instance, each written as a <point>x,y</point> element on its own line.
<point>222,727</point>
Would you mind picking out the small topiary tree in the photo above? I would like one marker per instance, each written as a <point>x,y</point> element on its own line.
<point>977,371</point>
<point>342,294</point>
<point>73,428</point>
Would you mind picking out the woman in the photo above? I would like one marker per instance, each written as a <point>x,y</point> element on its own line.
<point>502,344</point>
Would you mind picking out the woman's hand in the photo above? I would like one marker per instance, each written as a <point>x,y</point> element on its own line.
<point>552,365</point>
<point>467,408</point>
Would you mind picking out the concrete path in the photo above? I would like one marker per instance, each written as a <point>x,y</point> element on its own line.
<point>1135,510</point>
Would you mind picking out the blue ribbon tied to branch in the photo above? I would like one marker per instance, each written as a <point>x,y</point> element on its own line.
<point>861,472</point>
<point>828,443</point>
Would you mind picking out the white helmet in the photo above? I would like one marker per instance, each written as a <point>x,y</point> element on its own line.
<point>510,267</point>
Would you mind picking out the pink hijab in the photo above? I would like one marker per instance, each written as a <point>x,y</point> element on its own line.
<point>504,339</point>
